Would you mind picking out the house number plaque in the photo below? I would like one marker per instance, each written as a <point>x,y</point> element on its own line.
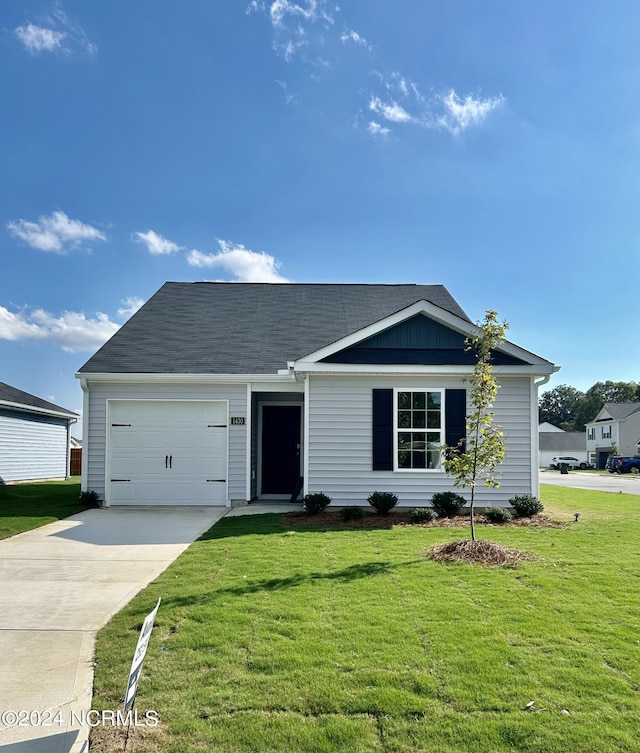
<point>237,420</point>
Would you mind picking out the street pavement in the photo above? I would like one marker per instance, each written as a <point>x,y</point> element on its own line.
<point>611,482</point>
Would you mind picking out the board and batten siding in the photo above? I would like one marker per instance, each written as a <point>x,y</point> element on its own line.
<point>32,447</point>
<point>95,442</point>
<point>340,416</point>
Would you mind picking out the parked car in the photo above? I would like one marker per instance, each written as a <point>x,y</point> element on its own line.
<point>613,461</point>
<point>629,465</point>
<point>570,461</point>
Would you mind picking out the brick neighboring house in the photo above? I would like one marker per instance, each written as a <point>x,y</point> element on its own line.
<point>616,424</point>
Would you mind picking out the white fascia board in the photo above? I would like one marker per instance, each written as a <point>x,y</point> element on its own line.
<point>138,378</point>
<point>312,367</point>
<point>68,415</point>
<point>468,329</point>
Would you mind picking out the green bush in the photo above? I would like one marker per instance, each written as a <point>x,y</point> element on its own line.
<point>382,502</point>
<point>447,504</point>
<point>90,499</point>
<point>497,514</point>
<point>352,513</point>
<point>525,505</point>
<point>423,515</point>
<point>315,503</point>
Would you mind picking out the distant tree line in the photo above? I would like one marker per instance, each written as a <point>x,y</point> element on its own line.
<point>570,409</point>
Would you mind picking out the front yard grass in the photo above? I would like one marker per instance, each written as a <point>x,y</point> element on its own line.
<point>353,640</point>
<point>27,506</point>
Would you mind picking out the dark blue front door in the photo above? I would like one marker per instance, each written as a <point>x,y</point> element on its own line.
<point>280,448</point>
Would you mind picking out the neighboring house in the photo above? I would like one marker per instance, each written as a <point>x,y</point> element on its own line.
<point>35,437</point>
<point>617,424</point>
<point>553,442</point>
<point>221,393</point>
<point>545,426</point>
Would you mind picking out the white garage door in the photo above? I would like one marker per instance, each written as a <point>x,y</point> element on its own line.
<point>167,452</point>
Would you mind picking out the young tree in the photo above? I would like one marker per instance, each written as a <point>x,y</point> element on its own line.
<point>485,447</point>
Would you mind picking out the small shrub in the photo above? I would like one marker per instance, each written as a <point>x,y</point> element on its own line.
<point>447,504</point>
<point>382,502</point>
<point>497,514</point>
<point>525,505</point>
<point>352,513</point>
<point>423,515</point>
<point>90,499</point>
<point>315,503</point>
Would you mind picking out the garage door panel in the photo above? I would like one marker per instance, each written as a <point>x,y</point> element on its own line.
<point>170,452</point>
<point>123,466</point>
<point>123,439</point>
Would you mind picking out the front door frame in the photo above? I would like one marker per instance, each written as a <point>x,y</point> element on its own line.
<point>276,403</point>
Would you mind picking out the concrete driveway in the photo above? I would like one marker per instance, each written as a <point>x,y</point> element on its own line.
<point>58,585</point>
<point>610,482</point>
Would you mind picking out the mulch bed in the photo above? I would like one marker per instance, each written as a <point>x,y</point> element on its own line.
<point>477,552</point>
<point>331,518</point>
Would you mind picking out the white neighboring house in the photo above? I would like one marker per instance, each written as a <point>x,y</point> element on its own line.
<point>616,424</point>
<point>222,393</point>
<point>35,437</point>
<point>554,442</point>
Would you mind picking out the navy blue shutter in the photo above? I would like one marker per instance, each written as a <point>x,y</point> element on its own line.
<point>382,430</point>
<point>455,402</point>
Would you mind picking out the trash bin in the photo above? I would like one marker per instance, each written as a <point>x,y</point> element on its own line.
<point>564,467</point>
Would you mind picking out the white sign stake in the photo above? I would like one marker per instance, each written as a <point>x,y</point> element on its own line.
<point>138,658</point>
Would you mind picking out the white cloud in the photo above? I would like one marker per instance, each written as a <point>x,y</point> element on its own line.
<point>57,233</point>
<point>72,331</point>
<point>400,102</point>
<point>246,265</point>
<point>35,39</point>
<point>56,32</point>
<point>129,306</point>
<point>375,129</point>
<point>308,10</point>
<point>353,36</point>
<point>390,111</point>
<point>294,24</point>
<point>461,114</point>
<point>156,244</point>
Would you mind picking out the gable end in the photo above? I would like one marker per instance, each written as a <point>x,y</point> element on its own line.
<point>418,340</point>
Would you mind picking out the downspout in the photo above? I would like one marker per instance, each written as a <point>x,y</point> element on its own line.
<point>535,436</point>
<point>85,435</point>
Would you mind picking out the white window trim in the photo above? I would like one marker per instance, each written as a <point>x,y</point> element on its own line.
<point>396,430</point>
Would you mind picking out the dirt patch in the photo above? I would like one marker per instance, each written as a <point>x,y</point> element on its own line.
<point>331,518</point>
<point>487,553</point>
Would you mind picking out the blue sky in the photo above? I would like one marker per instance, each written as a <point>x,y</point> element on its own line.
<point>491,147</point>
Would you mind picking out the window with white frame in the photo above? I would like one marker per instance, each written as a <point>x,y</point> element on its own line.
<point>419,429</point>
<point>591,432</point>
<point>606,432</point>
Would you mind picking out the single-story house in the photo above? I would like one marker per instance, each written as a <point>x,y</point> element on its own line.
<point>223,393</point>
<point>35,438</point>
<point>553,442</point>
<point>616,425</point>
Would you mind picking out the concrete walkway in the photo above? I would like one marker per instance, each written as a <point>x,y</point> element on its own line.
<point>58,585</point>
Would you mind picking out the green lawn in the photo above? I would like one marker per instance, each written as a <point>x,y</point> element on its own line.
<point>352,640</point>
<point>27,506</point>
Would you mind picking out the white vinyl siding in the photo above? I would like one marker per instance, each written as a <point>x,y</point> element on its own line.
<point>340,440</point>
<point>32,447</point>
<point>95,441</point>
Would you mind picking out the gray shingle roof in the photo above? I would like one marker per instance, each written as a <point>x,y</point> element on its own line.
<point>9,394</point>
<point>563,441</point>
<point>249,328</point>
<point>621,410</point>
